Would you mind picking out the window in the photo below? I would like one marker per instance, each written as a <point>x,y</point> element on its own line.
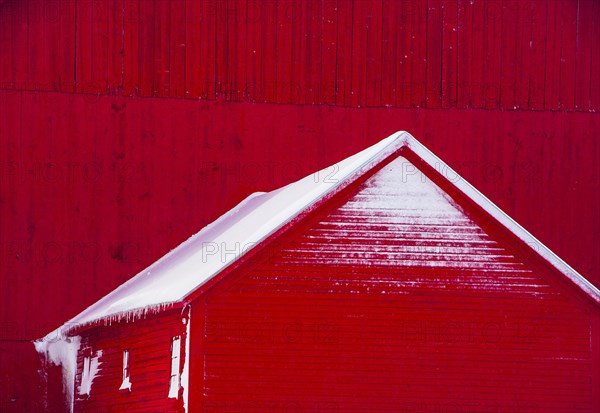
<point>175,354</point>
<point>89,370</point>
<point>85,376</point>
<point>126,383</point>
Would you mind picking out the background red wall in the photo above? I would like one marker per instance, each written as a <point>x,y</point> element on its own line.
<point>126,126</point>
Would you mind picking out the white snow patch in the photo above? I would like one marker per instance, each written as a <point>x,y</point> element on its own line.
<point>89,372</point>
<point>126,384</point>
<point>62,352</point>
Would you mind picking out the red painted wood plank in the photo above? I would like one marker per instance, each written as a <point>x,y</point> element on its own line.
<point>479,53</point>
<point>253,50</point>
<point>6,45</point>
<point>374,54</point>
<point>595,59</point>
<point>329,52</point>
<point>511,62</point>
<point>50,24</point>
<point>406,90</point>
<point>552,61</point>
<point>131,47</point>
<point>391,32</point>
<point>538,49</point>
<point>583,73</point>
<point>359,63</point>
<point>193,44</point>
<point>178,48</point>
<point>523,52</point>
<point>83,47</point>
<point>465,68</point>
<point>450,53</point>
<point>99,14</point>
<point>568,49</point>
<point>146,41</point>
<point>35,45</point>
<point>344,48</point>
<point>418,78</point>
<point>313,61</point>
<point>295,12</point>
<point>492,46</point>
<point>162,48</point>
<point>268,82</point>
<point>222,45</point>
<point>433,85</point>
<point>115,47</point>
<point>208,27</point>
<point>237,33</point>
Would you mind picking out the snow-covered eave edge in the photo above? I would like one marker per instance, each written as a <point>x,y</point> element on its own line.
<point>73,326</point>
<point>492,209</point>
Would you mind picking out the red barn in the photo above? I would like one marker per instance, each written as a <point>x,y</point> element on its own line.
<point>383,283</point>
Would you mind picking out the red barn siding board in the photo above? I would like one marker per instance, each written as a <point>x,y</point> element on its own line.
<point>510,59</point>
<point>583,55</point>
<point>329,52</point>
<point>450,56</point>
<point>567,54</point>
<point>114,61</point>
<point>391,31</point>
<point>492,26</point>
<point>433,82</point>
<point>193,43</point>
<point>178,48</point>
<point>146,48</point>
<point>162,48</point>
<point>479,52</point>
<point>418,79</point>
<point>405,89</point>
<point>373,55</point>
<point>360,12</point>
<point>100,14</point>
<point>344,53</point>
<point>523,50</point>
<point>464,96</point>
<point>552,61</point>
<point>131,47</point>
<point>539,47</point>
<point>284,33</point>
<point>313,64</point>
<point>595,38</point>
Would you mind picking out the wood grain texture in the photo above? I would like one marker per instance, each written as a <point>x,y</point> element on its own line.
<point>506,54</point>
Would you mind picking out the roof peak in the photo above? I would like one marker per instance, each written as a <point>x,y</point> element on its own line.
<point>261,214</point>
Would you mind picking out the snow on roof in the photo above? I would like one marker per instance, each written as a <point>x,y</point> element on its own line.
<point>205,254</point>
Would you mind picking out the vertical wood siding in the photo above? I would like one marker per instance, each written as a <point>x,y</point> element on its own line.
<point>494,54</point>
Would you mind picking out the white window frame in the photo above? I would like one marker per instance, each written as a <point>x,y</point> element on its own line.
<point>126,382</point>
<point>85,375</point>
<point>175,378</point>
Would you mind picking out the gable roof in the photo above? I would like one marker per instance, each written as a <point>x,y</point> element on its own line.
<point>180,272</point>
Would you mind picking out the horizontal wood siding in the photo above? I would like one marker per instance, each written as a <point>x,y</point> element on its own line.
<point>396,300</point>
<point>492,54</point>
<point>149,344</point>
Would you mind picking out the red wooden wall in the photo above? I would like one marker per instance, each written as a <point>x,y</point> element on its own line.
<point>493,54</point>
<point>104,167</point>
